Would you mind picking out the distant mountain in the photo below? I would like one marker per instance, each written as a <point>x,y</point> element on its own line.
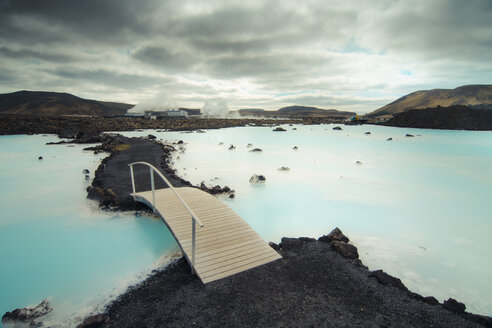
<point>298,112</point>
<point>472,96</point>
<point>251,110</point>
<point>57,104</point>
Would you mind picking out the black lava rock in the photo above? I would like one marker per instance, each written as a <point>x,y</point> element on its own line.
<point>344,249</point>
<point>455,306</point>
<point>335,235</point>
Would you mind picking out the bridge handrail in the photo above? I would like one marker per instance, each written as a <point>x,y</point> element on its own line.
<point>194,218</point>
<point>153,168</point>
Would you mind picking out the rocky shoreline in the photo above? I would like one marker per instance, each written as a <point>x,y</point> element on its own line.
<point>314,285</point>
<point>444,118</point>
<point>317,283</point>
<point>112,187</point>
<point>78,127</point>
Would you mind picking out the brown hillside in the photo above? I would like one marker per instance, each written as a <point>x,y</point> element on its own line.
<point>473,96</point>
<point>57,104</point>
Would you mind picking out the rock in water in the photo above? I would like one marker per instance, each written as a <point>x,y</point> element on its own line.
<point>367,133</point>
<point>25,314</point>
<point>389,139</point>
<point>85,171</point>
<point>279,129</point>
<point>337,128</point>
<point>40,157</point>
<point>283,168</point>
<point>255,150</point>
<point>231,147</point>
<point>151,137</point>
<point>257,178</point>
<point>335,235</point>
<point>409,135</point>
<point>295,148</point>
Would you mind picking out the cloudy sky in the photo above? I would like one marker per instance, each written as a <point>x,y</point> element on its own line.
<point>351,55</point>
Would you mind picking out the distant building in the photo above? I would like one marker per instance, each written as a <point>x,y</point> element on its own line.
<point>133,115</point>
<point>153,115</point>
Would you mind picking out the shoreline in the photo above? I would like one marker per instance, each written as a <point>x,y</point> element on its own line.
<point>162,277</point>
<point>165,276</point>
<point>313,285</point>
<point>84,129</point>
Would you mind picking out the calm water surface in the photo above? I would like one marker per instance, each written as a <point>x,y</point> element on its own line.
<point>56,244</point>
<point>419,208</point>
<point>416,207</point>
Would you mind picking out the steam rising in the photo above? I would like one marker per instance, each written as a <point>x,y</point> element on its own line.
<point>217,108</point>
<point>159,102</point>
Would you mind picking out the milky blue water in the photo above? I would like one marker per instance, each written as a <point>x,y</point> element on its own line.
<point>416,207</point>
<point>56,244</point>
<point>419,208</point>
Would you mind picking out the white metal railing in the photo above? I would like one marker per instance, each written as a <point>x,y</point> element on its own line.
<point>194,218</point>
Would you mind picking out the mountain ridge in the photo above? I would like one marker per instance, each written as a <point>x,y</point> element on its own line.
<point>477,96</point>
<point>297,111</point>
<point>45,103</point>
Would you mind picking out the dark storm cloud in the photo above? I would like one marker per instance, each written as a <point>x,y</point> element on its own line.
<point>436,29</point>
<point>55,20</point>
<point>32,54</point>
<point>232,20</point>
<point>246,51</point>
<point>163,59</point>
<point>110,78</point>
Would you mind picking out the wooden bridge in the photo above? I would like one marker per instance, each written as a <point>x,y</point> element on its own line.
<point>222,245</point>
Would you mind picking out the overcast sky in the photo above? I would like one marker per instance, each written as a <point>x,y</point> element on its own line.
<point>350,55</point>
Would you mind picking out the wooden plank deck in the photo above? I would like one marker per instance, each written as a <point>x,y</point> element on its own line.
<point>225,245</point>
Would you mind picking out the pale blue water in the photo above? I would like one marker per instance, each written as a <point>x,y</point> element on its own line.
<point>419,208</point>
<point>416,207</point>
<point>54,243</point>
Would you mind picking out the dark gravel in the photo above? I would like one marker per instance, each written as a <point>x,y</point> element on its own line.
<point>112,183</point>
<point>312,286</point>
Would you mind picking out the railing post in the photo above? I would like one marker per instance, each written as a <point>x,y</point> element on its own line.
<point>192,245</point>
<point>153,186</point>
<point>194,218</point>
<point>133,178</point>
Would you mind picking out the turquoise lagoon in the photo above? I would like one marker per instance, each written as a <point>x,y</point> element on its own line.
<point>55,244</point>
<point>419,208</point>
